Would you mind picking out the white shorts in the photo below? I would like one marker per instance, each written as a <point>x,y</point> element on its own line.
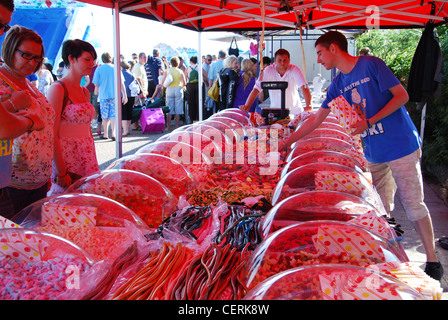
<point>403,175</point>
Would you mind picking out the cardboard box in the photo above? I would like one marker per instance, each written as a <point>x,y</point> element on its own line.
<point>152,120</point>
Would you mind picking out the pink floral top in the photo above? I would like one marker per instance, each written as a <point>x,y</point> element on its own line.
<point>32,152</point>
<point>79,152</point>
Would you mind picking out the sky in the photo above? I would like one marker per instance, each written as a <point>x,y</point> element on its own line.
<point>141,35</point>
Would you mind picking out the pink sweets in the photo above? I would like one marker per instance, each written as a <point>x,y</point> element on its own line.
<point>42,280</point>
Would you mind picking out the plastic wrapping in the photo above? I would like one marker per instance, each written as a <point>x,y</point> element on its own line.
<point>332,119</point>
<point>102,227</point>
<point>235,110</point>
<point>315,205</point>
<point>332,282</point>
<point>224,127</point>
<point>326,176</point>
<point>171,173</point>
<point>144,195</point>
<point>78,207</point>
<point>180,151</point>
<point>331,125</point>
<point>320,143</point>
<point>208,146</point>
<point>322,156</point>
<point>317,243</point>
<point>330,133</point>
<point>237,115</point>
<point>41,266</point>
<point>218,137</point>
<point>234,124</point>
<point>216,134</point>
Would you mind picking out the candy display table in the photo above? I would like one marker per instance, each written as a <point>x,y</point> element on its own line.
<point>214,211</point>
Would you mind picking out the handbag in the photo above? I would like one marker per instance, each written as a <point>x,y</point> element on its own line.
<point>213,92</point>
<point>168,79</point>
<point>234,50</point>
<point>134,86</point>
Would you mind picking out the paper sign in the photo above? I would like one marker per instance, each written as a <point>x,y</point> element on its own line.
<point>113,189</point>
<point>6,223</point>
<point>331,240</point>
<point>61,214</point>
<point>347,182</point>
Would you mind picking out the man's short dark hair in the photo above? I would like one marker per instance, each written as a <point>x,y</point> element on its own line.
<point>8,4</point>
<point>333,37</point>
<point>281,52</point>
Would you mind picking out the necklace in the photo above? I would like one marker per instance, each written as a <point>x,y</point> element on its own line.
<point>16,84</point>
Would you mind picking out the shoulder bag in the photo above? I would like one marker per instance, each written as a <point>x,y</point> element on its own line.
<point>213,92</point>
<point>168,79</point>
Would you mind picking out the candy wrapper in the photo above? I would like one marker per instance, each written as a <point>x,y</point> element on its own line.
<point>339,181</point>
<point>256,119</point>
<point>60,214</point>
<point>298,119</point>
<point>347,117</point>
<point>6,223</point>
<point>334,240</point>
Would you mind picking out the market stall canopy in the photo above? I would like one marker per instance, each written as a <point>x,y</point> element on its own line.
<point>245,15</point>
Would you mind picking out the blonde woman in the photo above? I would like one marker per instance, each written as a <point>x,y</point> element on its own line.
<point>245,84</point>
<point>228,77</point>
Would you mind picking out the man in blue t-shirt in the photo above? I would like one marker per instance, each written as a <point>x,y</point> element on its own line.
<point>392,143</point>
<point>104,81</point>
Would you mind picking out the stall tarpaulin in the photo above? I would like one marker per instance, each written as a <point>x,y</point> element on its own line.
<point>240,15</point>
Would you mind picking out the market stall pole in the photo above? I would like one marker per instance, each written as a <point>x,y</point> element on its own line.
<point>117,82</point>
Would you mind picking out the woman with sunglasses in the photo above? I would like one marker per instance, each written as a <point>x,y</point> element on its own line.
<point>32,152</point>
<point>74,148</point>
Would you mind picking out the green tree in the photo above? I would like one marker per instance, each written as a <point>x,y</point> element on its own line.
<point>395,47</point>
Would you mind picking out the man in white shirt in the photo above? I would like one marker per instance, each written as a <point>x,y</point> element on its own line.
<point>140,74</point>
<point>283,70</point>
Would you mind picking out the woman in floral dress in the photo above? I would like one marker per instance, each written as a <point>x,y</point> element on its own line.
<point>32,152</point>
<point>74,148</point>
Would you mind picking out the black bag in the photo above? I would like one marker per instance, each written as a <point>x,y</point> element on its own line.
<point>234,50</point>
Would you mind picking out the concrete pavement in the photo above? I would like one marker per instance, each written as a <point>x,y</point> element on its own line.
<point>106,153</point>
